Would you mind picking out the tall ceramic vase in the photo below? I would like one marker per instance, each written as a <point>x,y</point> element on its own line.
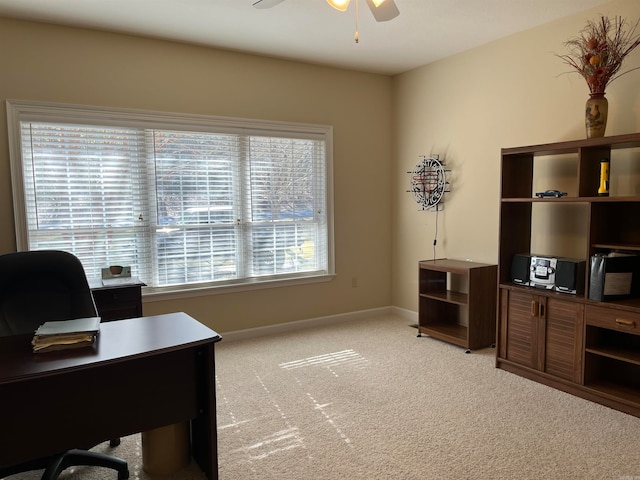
<point>595,117</point>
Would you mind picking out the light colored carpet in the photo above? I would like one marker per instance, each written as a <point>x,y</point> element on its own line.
<point>369,400</point>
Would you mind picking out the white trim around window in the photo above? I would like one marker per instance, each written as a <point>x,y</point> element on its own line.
<point>195,204</point>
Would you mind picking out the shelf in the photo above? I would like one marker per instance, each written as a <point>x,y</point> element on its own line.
<point>545,293</point>
<point>623,304</point>
<point>447,265</point>
<point>615,391</point>
<point>616,353</point>
<point>452,333</point>
<point>628,199</point>
<point>618,246</point>
<point>631,140</point>
<point>449,296</point>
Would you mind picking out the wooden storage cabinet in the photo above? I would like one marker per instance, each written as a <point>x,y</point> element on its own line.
<point>542,333</point>
<point>457,302</point>
<point>588,348</point>
<point>118,302</point>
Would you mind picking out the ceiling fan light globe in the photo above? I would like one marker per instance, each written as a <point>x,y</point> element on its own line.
<point>339,4</point>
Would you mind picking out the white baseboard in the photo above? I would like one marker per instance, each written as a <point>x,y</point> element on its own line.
<point>409,315</point>
<point>314,322</point>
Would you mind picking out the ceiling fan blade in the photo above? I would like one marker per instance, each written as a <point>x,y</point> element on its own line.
<point>385,12</point>
<point>267,3</point>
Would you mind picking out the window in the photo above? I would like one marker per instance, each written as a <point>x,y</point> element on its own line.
<point>186,201</point>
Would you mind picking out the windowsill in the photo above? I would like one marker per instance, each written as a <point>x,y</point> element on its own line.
<point>165,295</point>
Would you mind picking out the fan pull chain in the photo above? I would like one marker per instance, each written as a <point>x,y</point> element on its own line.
<point>357,37</point>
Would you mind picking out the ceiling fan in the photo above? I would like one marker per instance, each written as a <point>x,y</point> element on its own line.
<point>382,10</point>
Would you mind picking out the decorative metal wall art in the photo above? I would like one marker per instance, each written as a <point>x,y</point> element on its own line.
<point>429,182</point>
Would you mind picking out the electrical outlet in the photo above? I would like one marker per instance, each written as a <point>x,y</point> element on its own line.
<point>354,282</point>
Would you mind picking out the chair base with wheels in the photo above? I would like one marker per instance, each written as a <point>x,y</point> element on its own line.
<point>54,465</point>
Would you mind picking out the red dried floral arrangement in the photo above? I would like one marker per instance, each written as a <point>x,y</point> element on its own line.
<point>598,51</point>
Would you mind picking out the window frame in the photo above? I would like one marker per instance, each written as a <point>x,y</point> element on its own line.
<point>19,111</point>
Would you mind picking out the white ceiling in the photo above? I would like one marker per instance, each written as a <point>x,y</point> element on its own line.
<point>310,30</point>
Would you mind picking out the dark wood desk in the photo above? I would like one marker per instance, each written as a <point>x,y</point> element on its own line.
<point>142,373</point>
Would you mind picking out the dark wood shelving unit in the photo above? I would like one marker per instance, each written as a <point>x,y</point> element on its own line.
<point>587,348</point>
<point>457,302</point>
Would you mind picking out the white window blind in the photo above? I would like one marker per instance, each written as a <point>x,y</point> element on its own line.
<point>201,203</point>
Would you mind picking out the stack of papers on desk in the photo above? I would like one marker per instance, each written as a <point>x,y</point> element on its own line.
<point>66,334</point>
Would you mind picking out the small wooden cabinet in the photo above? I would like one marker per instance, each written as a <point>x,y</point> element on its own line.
<point>118,301</point>
<point>457,302</point>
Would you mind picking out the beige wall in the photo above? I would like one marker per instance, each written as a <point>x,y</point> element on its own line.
<point>58,64</point>
<point>466,108</point>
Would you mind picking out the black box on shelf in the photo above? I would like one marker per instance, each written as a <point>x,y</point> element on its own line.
<point>613,277</point>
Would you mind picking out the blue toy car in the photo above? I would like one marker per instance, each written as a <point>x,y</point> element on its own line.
<point>551,193</point>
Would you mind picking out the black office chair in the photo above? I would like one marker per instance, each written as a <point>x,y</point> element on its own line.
<point>41,286</point>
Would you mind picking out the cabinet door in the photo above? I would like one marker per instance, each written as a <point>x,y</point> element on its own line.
<point>543,333</point>
<point>563,341</point>
<point>520,325</point>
